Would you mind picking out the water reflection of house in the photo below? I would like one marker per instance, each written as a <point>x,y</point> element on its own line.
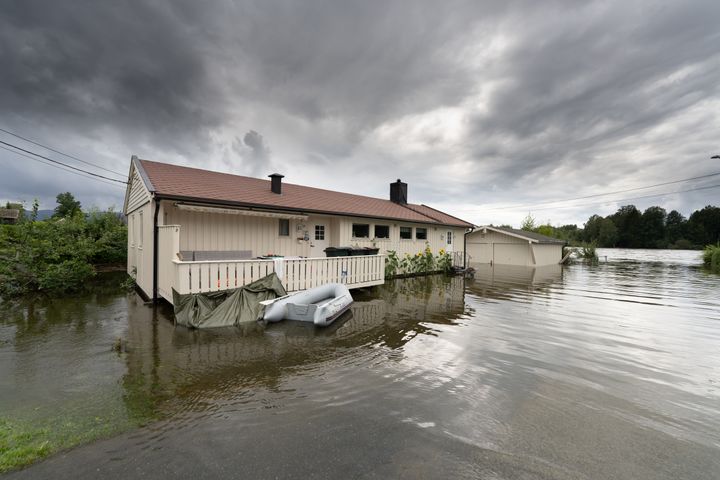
<point>164,358</point>
<point>502,281</point>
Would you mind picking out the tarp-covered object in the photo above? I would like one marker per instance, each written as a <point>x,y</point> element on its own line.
<point>228,307</point>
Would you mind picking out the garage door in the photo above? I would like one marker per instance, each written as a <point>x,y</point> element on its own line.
<point>512,254</point>
<point>479,252</point>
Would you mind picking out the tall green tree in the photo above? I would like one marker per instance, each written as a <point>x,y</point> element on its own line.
<point>627,220</point>
<point>675,227</point>
<point>607,234</point>
<point>705,225</point>
<point>67,205</point>
<point>652,228</point>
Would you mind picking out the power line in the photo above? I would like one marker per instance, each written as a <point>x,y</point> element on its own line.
<point>59,167</point>
<point>602,202</point>
<point>63,164</point>
<point>515,207</point>
<point>61,153</point>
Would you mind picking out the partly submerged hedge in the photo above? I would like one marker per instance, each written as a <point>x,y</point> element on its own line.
<point>59,255</point>
<point>711,257</point>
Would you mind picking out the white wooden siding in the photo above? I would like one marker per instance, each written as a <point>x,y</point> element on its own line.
<point>502,249</point>
<point>140,247</point>
<point>138,195</point>
<point>436,236</point>
<point>547,254</point>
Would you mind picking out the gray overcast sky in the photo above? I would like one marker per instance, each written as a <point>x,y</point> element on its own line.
<point>476,104</point>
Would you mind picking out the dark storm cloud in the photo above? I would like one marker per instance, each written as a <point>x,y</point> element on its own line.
<point>254,154</point>
<point>522,101</point>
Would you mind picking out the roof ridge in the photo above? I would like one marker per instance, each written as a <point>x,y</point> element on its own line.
<point>440,211</point>
<point>407,205</point>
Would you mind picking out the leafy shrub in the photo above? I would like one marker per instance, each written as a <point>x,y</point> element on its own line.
<point>421,262</point>
<point>711,257</point>
<point>58,255</point>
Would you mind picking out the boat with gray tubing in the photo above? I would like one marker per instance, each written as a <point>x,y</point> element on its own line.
<point>320,305</point>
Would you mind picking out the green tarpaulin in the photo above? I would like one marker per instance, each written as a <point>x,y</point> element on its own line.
<point>228,307</point>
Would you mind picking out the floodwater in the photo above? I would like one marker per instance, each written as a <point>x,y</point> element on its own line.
<point>605,371</point>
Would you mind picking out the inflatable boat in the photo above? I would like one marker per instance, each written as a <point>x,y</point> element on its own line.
<point>320,305</point>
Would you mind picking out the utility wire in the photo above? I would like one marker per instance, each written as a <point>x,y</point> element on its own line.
<point>61,153</point>
<point>59,167</point>
<point>603,202</point>
<point>515,207</point>
<point>63,164</point>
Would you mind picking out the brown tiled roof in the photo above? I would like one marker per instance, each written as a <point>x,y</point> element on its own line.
<point>193,183</point>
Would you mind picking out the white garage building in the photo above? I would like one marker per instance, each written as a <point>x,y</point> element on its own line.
<point>507,246</point>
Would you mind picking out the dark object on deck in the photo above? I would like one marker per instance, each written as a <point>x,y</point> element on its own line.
<point>337,251</point>
<point>228,307</point>
<point>364,251</point>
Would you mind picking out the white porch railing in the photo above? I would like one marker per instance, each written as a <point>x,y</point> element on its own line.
<point>295,273</point>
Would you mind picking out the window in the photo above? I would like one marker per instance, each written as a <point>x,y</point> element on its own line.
<point>421,233</point>
<point>284,227</point>
<point>319,232</point>
<point>140,240</point>
<point>360,230</point>
<point>449,238</point>
<point>406,233</point>
<point>131,230</point>
<point>382,231</point>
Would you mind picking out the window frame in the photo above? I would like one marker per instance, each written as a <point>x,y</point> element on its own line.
<point>322,227</point>
<point>361,225</point>
<point>140,241</point>
<point>281,223</point>
<point>401,233</point>
<point>382,238</point>
<point>424,230</point>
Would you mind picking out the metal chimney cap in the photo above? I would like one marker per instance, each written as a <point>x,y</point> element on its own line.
<point>276,175</point>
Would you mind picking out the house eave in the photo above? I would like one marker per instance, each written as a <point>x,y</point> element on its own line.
<point>211,202</point>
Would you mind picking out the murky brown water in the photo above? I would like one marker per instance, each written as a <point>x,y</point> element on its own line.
<point>608,371</point>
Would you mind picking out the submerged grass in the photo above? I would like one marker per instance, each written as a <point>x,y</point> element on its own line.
<point>25,439</point>
<point>23,442</point>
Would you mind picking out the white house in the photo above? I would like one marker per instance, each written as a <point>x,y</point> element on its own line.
<point>507,246</point>
<point>195,230</point>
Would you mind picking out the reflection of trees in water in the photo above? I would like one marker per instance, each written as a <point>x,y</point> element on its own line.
<point>165,361</point>
<point>36,315</point>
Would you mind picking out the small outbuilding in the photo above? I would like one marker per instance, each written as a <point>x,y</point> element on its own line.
<point>9,216</point>
<point>507,246</point>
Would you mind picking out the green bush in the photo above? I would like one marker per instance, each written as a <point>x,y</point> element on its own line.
<point>58,255</point>
<point>711,257</point>
<point>422,262</point>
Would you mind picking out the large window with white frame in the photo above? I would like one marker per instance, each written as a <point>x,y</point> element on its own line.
<point>421,233</point>
<point>405,233</point>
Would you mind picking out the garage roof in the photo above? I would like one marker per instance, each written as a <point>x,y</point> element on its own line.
<point>531,237</point>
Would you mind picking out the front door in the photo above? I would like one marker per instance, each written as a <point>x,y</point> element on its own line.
<point>319,239</point>
<point>449,241</point>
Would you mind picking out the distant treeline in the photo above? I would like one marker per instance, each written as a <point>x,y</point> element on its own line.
<point>631,228</point>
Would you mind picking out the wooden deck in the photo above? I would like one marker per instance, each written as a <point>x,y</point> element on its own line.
<point>295,273</point>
